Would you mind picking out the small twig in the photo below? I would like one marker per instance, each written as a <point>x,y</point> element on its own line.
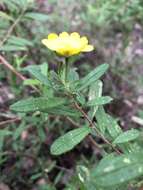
<point>8,115</point>
<point>91,124</point>
<point>10,30</point>
<point>7,35</point>
<point>94,142</point>
<point>64,169</point>
<point>84,114</point>
<point>9,121</point>
<point>72,122</point>
<point>11,68</point>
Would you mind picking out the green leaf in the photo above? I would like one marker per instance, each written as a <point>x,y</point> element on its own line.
<point>19,41</point>
<point>23,3</point>
<point>37,16</point>
<point>15,43</point>
<point>36,72</point>
<point>69,140</point>
<point>127,136</point>
<point>36,104</point>
<point>113,127</point>
<point>118,170</point>
<point>4,132</point>
<point>64,110</point>
<point>41,133</point>
<point>91,77</point>
<point>140,113</point>
<point>31,82</point>
<point>10,47</point>
<point>83,173</point>
<point>80,98</point>
<point>17,3</point>
<point>35,176</point>
<point>99,101</point>
<point>106,122</point>
<point>11,4</point>
<point>5,16</point>
<point>45,187</point>
<point>19,130</point>
<point>44,69</point>
<point>101,119</point>
<point>95,91</point>
<point>73,75</point>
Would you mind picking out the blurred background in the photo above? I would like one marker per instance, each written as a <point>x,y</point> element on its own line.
<point>115,28</point>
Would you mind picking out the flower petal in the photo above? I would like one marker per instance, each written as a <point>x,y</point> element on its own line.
<point>49,44</point>
<point>63,35</point>
<point>88,48</point>
<point>84,40</point>
<point>52,36</point>
<point>75,35</point>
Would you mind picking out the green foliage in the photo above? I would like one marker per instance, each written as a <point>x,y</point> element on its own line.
<point>92,77</point>
<point>65,111</point>
<point>101,119</point>
<point>37,104</point>
<point>19,11</point>
<point>19,130</point>
<point>3,134</point>
<point>11,47</point>
<point>15,43</point>
<point>127,136</point>
<point>37,73</point>
<point>104,13</point>
<point>37,16</point>
<point>5,16</point>
<point>69,140</point>
<point>95,91</point>
<point>109,172</point>
<point>99,101</point>
<point>106,122</point>
<point>118,170</point>
<point>56,105</point>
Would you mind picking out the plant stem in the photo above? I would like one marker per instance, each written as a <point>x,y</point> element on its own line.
<point>10,30</point>
<point>63,70</point>
<point>2,123</point>
<point>91,124</point>
<point>12,69</point>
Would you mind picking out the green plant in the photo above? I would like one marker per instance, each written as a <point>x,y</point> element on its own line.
<point>117,13</point>
<point>79,99</point>
<point>26,138</point>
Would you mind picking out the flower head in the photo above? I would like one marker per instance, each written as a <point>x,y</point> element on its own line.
<point>67,44</point>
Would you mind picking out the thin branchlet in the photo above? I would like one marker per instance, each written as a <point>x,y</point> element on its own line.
<point>91,124</point>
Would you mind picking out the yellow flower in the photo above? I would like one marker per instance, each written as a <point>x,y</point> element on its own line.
<point>67,44</point>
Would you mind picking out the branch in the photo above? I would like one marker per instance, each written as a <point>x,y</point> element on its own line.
<point>9,121</point>
<point>11,68</point>
<point>91,124</point>
<point>10,30</point>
